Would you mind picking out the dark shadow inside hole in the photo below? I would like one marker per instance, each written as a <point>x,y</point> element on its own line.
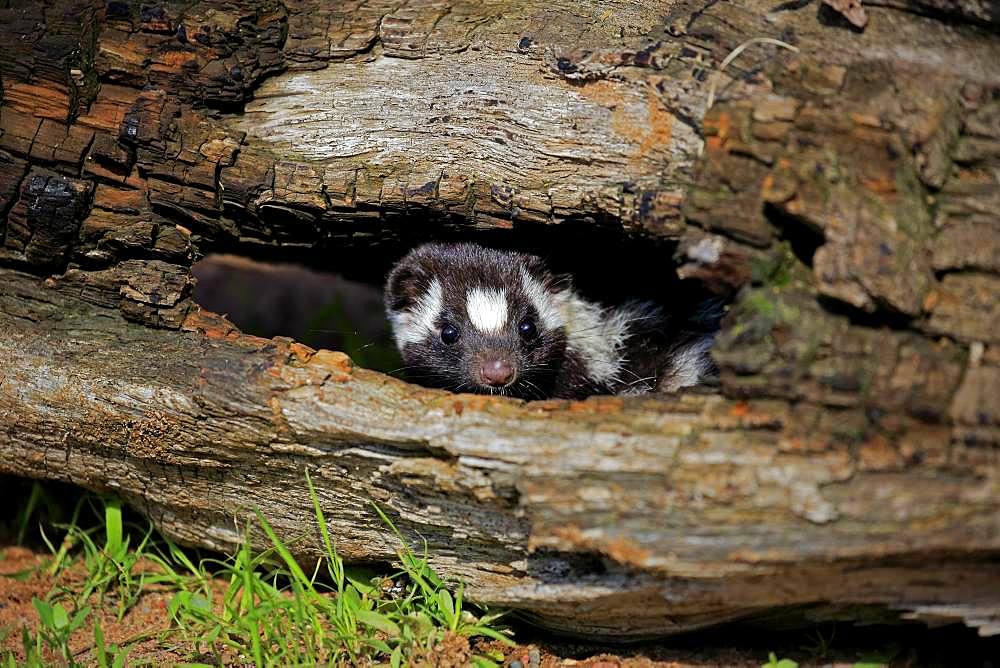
<point>795,633</point>
<point>830,17</point>
<point>883,317</point>
<point>330,295</point>
<point>319,309</point>
<point>801,235</point>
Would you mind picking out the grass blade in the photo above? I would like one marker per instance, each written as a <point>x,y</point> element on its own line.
<point>286,556</point>
<point>113,527</point>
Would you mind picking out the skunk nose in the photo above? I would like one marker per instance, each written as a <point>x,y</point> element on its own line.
<point>496,372</point>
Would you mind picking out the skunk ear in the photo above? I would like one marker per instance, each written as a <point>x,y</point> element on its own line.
<point>538,270</point>
<point>407,281</point>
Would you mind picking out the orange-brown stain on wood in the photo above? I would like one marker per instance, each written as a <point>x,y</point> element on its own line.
<point>39,101</point>
<point>625,551</point>
<point>459,403</point>
<point>278,416</point>
<point>767,189</point>
<point>652,132</point>
<point>868,120</point>
<point>878,454</point>
<point>300,352</point>
<point>655,133</point>
<point>603,92</point>
<point>108,111</point>
<point>340,365</point>
<point>119,199</point>
<point>601,405</point>
<point>661,124</point>
<point>174,59</point>
<point>215,327</point>
<point>931,300</point>
<point>883,185</point>
<point>619,548</point>
<point>718,127</point>
<point>211,325</point>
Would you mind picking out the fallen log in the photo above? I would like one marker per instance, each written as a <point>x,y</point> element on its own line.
<point>612,516</point>
<point>843,195</point>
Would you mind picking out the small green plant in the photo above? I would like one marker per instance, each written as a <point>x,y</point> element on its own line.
<point>774,662</point>
<point>879,658</point>
<point>821,643</point>
<point>56,626</point>
<point>430,596</point>
<point>275,612</point>
<point>111,569</point>
<point>260,608</point>
<point>107,656</point>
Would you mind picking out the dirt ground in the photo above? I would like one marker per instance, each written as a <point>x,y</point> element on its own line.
<point>21,578</point>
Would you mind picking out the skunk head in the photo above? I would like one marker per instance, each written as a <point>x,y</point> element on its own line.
<point>474,319</point>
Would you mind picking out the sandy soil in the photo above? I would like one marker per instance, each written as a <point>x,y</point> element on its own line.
<point>22,577</point>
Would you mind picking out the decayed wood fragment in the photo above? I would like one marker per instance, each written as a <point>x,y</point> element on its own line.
<point>844,196</point>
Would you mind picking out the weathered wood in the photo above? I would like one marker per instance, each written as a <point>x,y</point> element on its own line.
<point>844,195</point>
<point>620,517</point>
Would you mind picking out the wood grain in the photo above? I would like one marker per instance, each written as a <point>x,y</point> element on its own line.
<point>843,197</point>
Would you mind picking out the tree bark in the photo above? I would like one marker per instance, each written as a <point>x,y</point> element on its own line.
<point>844,195</point>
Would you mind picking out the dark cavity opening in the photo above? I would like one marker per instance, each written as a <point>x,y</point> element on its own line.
<point>607,264</point>
<point>802,236</point>
<point>319,309</point>
<point>329,295</point>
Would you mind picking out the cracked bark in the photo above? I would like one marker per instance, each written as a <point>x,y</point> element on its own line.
<point>844,196</point>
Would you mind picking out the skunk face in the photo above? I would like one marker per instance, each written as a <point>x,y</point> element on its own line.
<point>473,319</point>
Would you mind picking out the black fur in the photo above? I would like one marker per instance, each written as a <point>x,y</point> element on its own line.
<point>460,267</point>
<point>544,366</point>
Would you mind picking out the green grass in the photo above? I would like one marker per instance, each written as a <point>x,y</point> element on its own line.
<point>871,662</point>
<point>774,662</point>
<point>260,608</point>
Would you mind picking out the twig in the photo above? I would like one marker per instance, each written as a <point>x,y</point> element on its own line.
<point>734,54</point>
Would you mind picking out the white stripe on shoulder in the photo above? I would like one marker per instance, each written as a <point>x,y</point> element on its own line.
<point>417,324</point>
<point>596,336</point>
<point>546,304</point>
<point>487,308</point>
<point>689,365</point>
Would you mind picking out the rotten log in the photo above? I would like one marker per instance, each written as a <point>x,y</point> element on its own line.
<point>843,195</point>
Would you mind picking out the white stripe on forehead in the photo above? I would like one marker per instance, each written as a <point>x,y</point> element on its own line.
<point>416,325</point>
<point>487,308</point>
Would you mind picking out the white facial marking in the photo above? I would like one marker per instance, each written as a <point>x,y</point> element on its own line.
<point>546,303</point>
<point>416,325</point>
<point>487,308</point>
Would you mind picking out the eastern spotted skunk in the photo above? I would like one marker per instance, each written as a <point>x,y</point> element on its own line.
<point>473,319</point>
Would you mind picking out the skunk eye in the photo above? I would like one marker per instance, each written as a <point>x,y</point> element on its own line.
<point>449,334</point>
<point>527,330</point>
